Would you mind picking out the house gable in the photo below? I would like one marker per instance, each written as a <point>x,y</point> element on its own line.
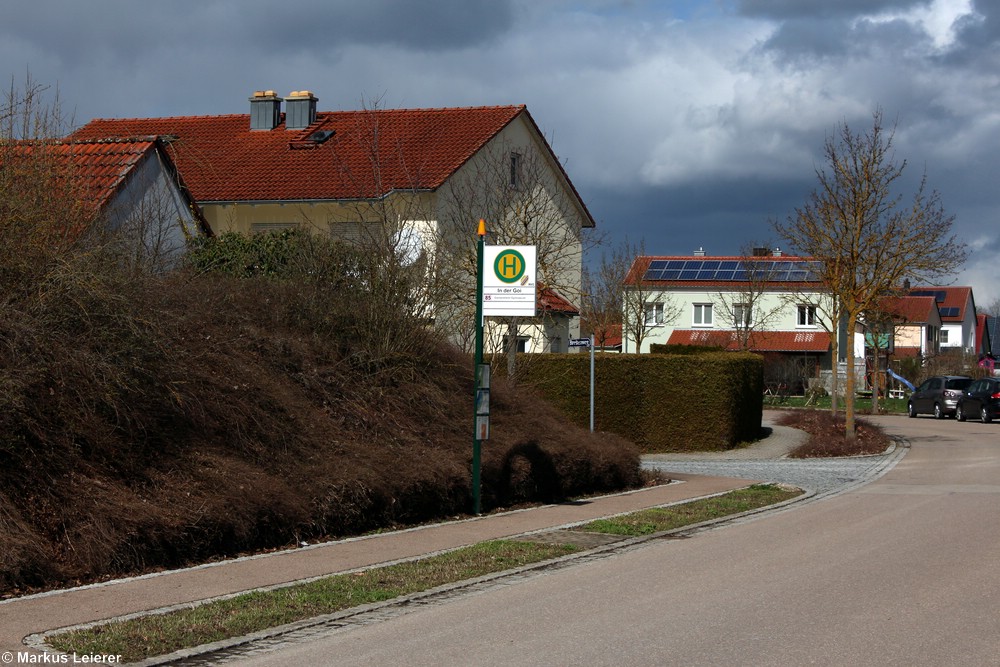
<point>958,314</point>
<point>117,179</point>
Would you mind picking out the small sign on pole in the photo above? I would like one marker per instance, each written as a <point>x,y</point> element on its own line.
<point>483,402</point>
<point>579,342</point>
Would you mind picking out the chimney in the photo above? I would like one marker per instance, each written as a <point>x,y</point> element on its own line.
<point>700,252</point>
<point>760,252</point>
<point>777,252</point>
<point>265,110</point>
<point>300,110</point>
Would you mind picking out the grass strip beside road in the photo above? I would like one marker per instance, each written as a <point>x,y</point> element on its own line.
<point>659,519</point>
<point>158,634</point>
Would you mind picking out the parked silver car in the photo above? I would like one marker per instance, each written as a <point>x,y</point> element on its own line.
<point>938,396</point>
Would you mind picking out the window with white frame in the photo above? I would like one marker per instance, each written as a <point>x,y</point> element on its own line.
<point>742,315</point>
<point>702,315</point>
<point>654,314</point>
<point>807,316</point>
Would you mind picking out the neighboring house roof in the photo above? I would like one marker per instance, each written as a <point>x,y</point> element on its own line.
<point>910,309</point>
<point>760,341</point>
<point>721,272</point>
<point>342,155</point>
<point>984,343</point>
<point>608,338</point>
<point>550,301</point>
<point>98,169</point>
<point>952,301</point>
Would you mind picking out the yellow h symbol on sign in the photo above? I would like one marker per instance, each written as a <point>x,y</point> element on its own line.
<point>509,266</point>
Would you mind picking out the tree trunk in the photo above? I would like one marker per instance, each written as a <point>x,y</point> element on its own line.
<point>835,367</point>
<point>849,389</point>
<point>512,349</point>
<point>876,385</point>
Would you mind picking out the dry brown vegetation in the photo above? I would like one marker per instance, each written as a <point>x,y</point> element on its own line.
<point>159,422</point>
<point>276,391</point>
<point>826,434</point>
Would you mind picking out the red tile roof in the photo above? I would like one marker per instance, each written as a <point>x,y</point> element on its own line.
<point>948,298</point>
<point>222,159</point>
<point>550,301</point>
<point>98,169</point>
<point>983,343</point>
<point>609,337</point>
<point>910,309</point>
<point>760,341</point>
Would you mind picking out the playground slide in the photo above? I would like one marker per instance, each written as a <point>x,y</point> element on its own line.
<point>900,378</point>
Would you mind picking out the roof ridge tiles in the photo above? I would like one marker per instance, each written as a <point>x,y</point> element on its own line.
<point>496,107</point>
<point>165,118</point>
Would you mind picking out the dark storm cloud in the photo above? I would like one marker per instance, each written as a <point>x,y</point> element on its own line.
<point>721,216</point>
<point>440,25</point>
<point>820,37</point>
<point>122,29</point>
<point>844,37</point>
<point>796,9</point>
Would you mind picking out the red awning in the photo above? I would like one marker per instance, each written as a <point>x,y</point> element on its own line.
<point>759,341</point>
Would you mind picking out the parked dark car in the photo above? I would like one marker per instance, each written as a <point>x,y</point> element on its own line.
<point>981,399</point>
<point>938,396</point>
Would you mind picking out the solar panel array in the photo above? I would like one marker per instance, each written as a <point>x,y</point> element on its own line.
<point>733,269</point>
<point>939,295</point>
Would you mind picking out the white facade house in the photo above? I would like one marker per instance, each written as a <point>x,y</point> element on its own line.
<point>958,318</point>
<point>767,303</point>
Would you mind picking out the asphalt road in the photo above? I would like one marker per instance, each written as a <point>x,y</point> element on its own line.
<point>902,571</point>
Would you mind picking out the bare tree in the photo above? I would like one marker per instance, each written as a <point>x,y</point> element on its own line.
<point>857,225</point>
<point>749,307</point>
<point>41,214</point>
<point>828,317</point>
<point>992,308</point>
<point>604,289</point>
<point>644,304</point>
<point>881,322</point>
<point>517,189</point>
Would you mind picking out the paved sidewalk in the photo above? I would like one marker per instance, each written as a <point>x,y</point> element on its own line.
<point>22,617</point>
<point>780,441</point>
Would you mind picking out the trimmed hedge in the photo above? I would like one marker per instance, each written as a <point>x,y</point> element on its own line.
<point>662,403</point>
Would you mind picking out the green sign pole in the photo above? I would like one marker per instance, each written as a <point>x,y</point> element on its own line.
<point>476,444</point>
